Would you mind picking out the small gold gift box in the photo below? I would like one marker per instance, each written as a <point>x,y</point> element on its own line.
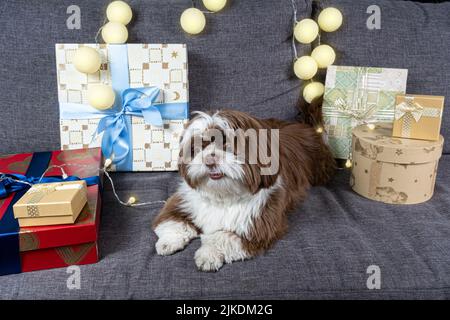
<point>418,117</point>
<point>51,203</point>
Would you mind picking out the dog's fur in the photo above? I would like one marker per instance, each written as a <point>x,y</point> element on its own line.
<point>237,212</point>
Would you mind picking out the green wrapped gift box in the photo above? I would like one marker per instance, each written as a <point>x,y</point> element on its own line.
<point>358,95</point>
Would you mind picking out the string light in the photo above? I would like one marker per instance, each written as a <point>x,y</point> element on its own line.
<point>119,11</point>
<point>348,163</point>
<point>330,19</point>
<point>131,202</point>
<point>371,126</point>
<point>87,60</point>
<point>306,31</point>
<point>108,163</point>
<point>193,20</point>
<point>214,5</point>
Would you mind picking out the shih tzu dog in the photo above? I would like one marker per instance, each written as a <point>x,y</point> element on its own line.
<point>241,177</point>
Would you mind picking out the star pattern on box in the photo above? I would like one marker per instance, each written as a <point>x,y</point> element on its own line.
<point>160,65</point>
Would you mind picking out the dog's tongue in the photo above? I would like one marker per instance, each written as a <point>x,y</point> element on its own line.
<point>215,175</point>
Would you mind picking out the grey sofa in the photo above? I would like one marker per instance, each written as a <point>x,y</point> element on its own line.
<point>243,60</point>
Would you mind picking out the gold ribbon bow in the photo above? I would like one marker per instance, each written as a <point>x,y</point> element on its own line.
<point>409,107</point>
<point>361,116</point>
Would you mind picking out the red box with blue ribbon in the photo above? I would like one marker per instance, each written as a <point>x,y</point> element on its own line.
<point>35,248</point>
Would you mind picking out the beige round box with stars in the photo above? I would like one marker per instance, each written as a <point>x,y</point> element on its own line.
<point>393,170</point>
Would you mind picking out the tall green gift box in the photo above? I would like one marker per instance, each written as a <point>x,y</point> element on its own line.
<point>358,95</point>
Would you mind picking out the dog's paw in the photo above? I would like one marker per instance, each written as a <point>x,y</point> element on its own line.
<point>208,258</point>
<point>167,246</point>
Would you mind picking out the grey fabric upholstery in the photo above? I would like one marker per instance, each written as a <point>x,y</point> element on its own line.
<point>333,237</point>
<point>242,61</point>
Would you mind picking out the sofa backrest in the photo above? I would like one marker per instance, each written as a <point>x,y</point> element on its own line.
<point>242,60</point>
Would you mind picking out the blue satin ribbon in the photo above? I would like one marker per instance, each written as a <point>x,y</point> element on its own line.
<point>117,129</point>
<point>9,228</point>
<point>115,123</point>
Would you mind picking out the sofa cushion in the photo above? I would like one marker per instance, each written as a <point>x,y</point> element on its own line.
<point>413,35</point>
<point>243,60</point>
<point>333,237</point>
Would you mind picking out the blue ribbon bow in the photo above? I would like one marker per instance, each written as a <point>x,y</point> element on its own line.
<point>10,183</point>
<point>116,137</point>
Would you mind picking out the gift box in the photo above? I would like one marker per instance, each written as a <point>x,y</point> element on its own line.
<point>25,249</point>
<point>53,203</point>
<point>418,117</point>
<point>393,170</point>
<point>358,95</point>
<point>141,132</point>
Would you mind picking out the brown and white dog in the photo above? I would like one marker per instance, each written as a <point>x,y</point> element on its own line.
<point>225,199</point>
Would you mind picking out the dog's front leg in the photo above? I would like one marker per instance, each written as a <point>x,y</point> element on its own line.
<point>173,228</point>
<point>218,248</point>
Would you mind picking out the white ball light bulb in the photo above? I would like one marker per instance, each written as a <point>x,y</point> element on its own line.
<point>330,19</point>
<point>214,5</point>
<point>119,11</point>
<point>87,60</point>
<point>348,163</point>
<point>312,91</point>
<point>108,163</point>
<point>305,67</point>
<point>114,33</point>
<point>101,96</point>
<point>306,31</point>
<point>324,55</point>
<point>192,21</point>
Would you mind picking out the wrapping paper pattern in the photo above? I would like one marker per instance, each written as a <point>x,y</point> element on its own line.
<point>418,116</point>
<point>355,95</point>
<point>393,170</point>
<point>46,247</point>
<point>160,65</point>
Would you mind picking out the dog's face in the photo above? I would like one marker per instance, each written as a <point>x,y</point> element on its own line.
<point>218,155</point>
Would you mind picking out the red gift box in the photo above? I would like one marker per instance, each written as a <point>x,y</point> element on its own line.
<point>47,247</point>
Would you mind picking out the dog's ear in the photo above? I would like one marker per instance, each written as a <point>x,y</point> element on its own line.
<point>255,180</point>
<point>269,158</point>
<point>185,156</point>
<point>268,181</point>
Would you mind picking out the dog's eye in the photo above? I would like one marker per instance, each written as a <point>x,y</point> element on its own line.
<point>212,138</point>
<point>195,150</point>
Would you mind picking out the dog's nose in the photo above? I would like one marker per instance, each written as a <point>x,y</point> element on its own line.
<point>210,160</point>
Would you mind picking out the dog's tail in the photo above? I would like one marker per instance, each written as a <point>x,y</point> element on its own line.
<point>311,113</point>
<point>324,162</point>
